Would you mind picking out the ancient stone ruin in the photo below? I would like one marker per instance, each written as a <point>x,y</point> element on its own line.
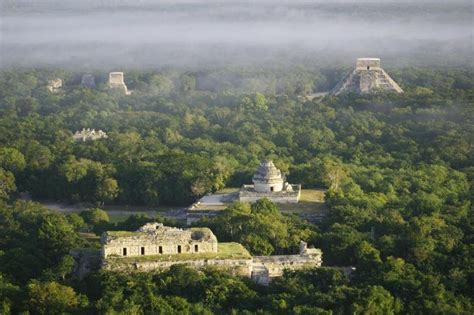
<point>157,239</point>
<point>88,81</point>
<point>89,135</point>
<point>116,82</point>
<point>269,182</point>
<point>155,247</point>
<point>54,85</point>
<point>367,78</point>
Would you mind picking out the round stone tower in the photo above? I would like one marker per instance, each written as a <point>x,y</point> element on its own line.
<point>268,178</point>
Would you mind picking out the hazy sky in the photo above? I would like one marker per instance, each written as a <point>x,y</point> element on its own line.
<point>94,33</point>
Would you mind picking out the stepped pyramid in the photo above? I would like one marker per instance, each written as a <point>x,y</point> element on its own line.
<point>367,77</point>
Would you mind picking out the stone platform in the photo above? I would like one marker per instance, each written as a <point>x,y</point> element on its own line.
<point>249,194</point>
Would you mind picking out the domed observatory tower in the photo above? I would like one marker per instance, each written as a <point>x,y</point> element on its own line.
<point>269,182</point>
<point>268,178</point>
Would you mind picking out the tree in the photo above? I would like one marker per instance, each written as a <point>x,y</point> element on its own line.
<point>375,300</point>
<point>53,298</point>
<point>11,159</point>
<point>7,183</point>
<point>95,216</point>
<point>9,294</point>
<point>334,173</point>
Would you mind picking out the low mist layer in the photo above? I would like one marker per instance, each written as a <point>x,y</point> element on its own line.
<point>91,34</point>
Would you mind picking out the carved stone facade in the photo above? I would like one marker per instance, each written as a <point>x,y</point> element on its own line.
<point>368,77</point>
<point>269,182</point>
<point>156,239</point>
<point>155,247</point>
<point>116,82</point>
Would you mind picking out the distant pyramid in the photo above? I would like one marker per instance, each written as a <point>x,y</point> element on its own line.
<point>368,77</point>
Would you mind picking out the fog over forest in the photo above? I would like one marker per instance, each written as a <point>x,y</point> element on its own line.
<point>146,33</point>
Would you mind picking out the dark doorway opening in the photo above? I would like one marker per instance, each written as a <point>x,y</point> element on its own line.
<point>271,188</point>
<point>368,67</point>
<point>179,249</point>
<point>124,252</point>
<point>142,250</point>
<point>160,249</point>
<point>196,248</point>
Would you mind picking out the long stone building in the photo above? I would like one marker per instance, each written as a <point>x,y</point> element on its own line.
<point>157,239</point>
<point>155,247</point>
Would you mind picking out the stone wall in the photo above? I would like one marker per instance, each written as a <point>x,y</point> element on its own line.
<point>272,185</point>
<point>248,194</point>
<point>266,268</point>
<point>261,269</point>
<point>155,247</point>
<point>241,267</point>
<point>116,82</point>
<point>158,242</point>
<point>363,63</point>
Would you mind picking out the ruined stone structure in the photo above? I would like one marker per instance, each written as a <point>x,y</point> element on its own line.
<point>368,77</point>
<point>88,81</point>
<point>269,182</point>
<point>89,135</point>
<point>55,85</point>
<point>157,239</point>
<point>266,268</point>
<point>155,247</point>
<point>116,82</point>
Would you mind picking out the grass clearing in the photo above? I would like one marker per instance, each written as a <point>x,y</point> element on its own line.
<point>224,251</point>
<point>311,201</point>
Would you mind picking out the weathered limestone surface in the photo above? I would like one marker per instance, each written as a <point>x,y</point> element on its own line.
<point>269,182</point>
<point>156,239</point>
<point>368,77</point>
<point>240,267</point>
<point>266,268</point>
<point>116,82</point>
<point>89,135</point>
<point>248,194</point>
<point>268,178</point>
<point>142,253</point>
<point>55,85</point>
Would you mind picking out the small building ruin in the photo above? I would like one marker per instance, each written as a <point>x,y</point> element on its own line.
<point>54,85</point>
<point>155,247</point>
<point>269,182</point>
<point>116,82</point>
<point>368,77</point>
<point>89,135</point>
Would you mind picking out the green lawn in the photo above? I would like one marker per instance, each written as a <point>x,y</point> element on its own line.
<point>224,251</point>
<point>311,201</point>
<point>312,195</point>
